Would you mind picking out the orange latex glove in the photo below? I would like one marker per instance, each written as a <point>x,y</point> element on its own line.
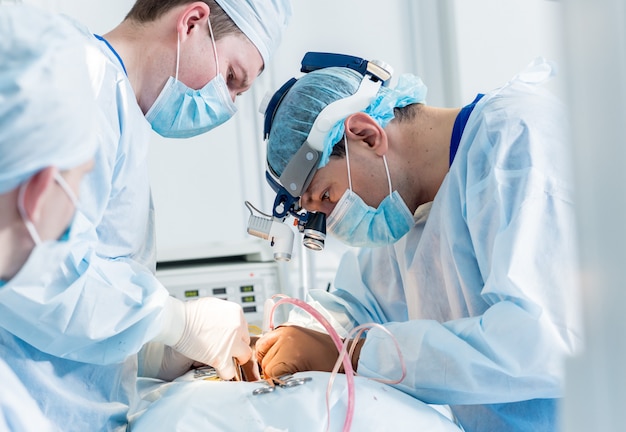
<point>292,349</point>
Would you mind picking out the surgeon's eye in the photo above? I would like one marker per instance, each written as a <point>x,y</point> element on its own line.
<point>326,196</point>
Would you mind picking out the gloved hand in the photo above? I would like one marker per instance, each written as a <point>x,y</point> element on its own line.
<point>207,330</point>
<point>292,349</point>
<point>164,362</point>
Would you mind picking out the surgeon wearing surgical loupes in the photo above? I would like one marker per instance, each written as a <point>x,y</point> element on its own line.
<point>47,146</point>
<point>466,222</point>
<point>173,67</point>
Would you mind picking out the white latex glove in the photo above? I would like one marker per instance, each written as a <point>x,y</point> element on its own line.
<point>157,360</point>
<point>207,330</point>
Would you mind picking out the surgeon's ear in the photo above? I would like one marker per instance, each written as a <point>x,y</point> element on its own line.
<point>192,16</point>
<point>36,190</point>
<point>362,127</point>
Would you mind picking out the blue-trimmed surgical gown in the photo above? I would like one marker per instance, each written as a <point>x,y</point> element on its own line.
<point>72,336</point>
<point>482,294</point>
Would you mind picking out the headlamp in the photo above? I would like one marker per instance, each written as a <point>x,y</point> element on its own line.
<point>300,170</point>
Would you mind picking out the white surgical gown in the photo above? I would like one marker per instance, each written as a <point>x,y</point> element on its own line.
<point>484,300</point>
<point>18,410</point>
<point>73,339</point>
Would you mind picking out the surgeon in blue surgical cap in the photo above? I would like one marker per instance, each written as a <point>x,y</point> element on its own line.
<point>465,222</point>
<point>176,68</point>
<point>47,145</point>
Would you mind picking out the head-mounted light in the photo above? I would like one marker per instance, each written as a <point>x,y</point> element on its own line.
<point>301,168</point>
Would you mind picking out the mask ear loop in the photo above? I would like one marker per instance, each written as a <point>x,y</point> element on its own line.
<point>68,190</point>
<point>388,176</point>
<point>217,61</point>
<point>177,53</point>
<point>348,162</point>
<point>29,225</point>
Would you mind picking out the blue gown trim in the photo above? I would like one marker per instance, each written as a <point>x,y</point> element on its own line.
<point>113,51</point>
<point>459,126</point>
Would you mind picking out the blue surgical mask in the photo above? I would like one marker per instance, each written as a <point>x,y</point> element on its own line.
<point>182,112</point>
<point>357,224</point>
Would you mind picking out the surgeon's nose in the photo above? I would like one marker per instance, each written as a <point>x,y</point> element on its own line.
<point>307,202</point>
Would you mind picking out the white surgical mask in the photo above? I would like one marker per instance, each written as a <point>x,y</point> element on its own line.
<point>47,257</point>
<point>29,224</point>
<point>357,224</point>
<point>182,112</point>
<point>46,262</point>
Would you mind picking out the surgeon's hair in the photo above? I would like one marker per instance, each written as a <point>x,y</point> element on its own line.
<point>144,11</point>
<point>406,113</point>
<point>403,114</point>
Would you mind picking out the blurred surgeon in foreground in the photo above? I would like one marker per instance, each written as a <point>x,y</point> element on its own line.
<point>47,146</point>
<point>465,217</point>
<point>174,67</point>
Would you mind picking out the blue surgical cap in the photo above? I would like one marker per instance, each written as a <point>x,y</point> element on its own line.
<point>47,106</point>
<point>311,93</point>
<point>262,21</point>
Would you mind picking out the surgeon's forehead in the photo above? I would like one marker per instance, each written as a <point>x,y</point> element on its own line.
<point>239,51</point>
<point>327,175</point>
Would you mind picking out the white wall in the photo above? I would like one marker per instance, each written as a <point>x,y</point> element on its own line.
<point>496,39</point>
<point>100,16</point>
<point>458,47</point>
<point>356,27</point>
<point>199,184</point>
<point>596,53</point>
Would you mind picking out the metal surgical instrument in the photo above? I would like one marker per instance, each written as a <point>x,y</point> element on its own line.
<point>286,381</point>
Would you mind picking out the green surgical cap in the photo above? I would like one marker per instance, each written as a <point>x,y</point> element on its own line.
<point>302,104</point>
